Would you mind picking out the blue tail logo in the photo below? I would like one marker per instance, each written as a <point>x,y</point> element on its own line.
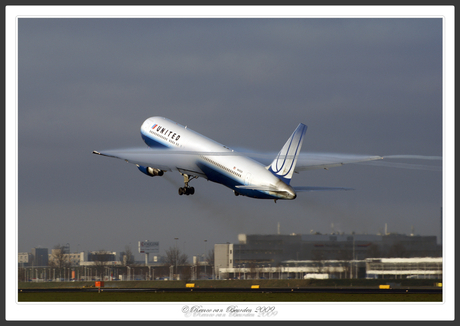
<point>283,165</point>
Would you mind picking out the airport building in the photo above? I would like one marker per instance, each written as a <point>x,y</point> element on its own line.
<point>24,258</point>
<point>223,255</point>
<point>329,256</point>
<point>397,268</point>
<point>39,257</point>
<point>273,249</point>
<point>335,255</point>
<point>60,257</point>
<point>370,268</point>
<point>82,258</point>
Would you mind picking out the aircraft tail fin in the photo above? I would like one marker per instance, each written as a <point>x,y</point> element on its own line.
<point>284,164</point>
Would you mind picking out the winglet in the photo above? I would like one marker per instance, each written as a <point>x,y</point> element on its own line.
<point>283,165</point>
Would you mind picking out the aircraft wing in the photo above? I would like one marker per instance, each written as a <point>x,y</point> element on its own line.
<point>311,161</point>
<point>166,160</point>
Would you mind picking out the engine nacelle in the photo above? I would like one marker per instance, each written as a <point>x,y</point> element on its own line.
<point>151,172</point>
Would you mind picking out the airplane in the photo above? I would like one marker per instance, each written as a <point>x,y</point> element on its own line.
<point>174,147</point>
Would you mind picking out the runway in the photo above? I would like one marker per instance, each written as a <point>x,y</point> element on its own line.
<point>347,290</point>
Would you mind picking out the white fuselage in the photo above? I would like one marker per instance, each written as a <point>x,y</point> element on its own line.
<point>225,167</point>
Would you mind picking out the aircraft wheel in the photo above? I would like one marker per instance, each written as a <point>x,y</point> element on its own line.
<point>186,191</point>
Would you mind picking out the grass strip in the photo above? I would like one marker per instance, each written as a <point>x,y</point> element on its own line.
<point>224,297</point>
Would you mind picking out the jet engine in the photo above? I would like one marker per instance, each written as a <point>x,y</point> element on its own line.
<point>151,172</point>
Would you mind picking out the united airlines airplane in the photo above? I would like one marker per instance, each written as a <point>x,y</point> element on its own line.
<point>173,147</point>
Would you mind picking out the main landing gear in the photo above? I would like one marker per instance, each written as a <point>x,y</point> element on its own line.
<point>186,190</point>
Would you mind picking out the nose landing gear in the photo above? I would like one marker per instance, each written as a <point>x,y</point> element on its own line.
<point>186,190</point>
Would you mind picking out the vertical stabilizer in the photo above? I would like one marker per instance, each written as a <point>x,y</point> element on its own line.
<point>284,164</point>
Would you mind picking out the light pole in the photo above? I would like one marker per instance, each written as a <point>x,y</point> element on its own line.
<point>176,254</point>
<point>204,256</point>
<point>352,265</point>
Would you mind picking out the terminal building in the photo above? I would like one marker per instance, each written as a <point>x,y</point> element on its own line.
<point>329,255</point>
<point>274,249</point>
<point>370,268</point>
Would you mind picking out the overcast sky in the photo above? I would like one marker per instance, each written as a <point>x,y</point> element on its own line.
<point>362,86</point>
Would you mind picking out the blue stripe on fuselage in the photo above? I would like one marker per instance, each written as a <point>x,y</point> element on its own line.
<point>215,175</point>
<point>152,142</point>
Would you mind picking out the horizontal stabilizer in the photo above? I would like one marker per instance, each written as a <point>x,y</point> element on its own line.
<point>311,161</point>
<point>300,189</point>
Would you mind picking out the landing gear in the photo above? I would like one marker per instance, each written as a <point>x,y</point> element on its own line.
<point>187,190</point>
